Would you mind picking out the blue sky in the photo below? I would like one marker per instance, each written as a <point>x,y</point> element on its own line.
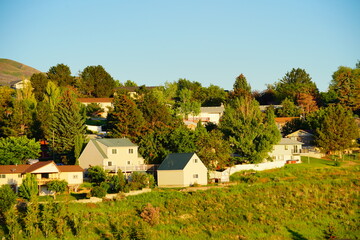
<point>212,42</point>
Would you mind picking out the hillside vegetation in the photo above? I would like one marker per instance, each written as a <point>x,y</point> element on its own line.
<point>314,200</point>
<point>11,71</point>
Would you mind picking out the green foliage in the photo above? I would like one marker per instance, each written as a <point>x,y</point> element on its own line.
<point>241,85</point>
<point>93,110</point>
<point>98,191</point>
<point>29,187</point>
<point>61,75</point>
<point>125,119</point>
<point>346,85</point>
<point>294,82</point>
<point>251,135</point>
<point>57,186</point>
<point>96,82</point>
<point>7,198</point>
<point>67,127</point>
<point>16,150</point>
<point>138,180</point>
<point>289,109</point>
<point>182,140</point>
<point>337,130</point>
<point>39,82</point>
<point>96,174</point>
<point>186,104</point>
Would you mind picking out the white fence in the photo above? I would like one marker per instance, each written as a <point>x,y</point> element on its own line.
<point>224,176</point>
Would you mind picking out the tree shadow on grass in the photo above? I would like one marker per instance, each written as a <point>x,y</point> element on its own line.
<point>296,235</point>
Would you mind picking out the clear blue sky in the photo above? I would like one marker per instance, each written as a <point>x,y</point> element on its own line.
<point>212,42</point>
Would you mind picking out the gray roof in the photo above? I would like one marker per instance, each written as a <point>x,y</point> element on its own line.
<point>116,142</point>
<point>175,161</point>
<point>288,141</point>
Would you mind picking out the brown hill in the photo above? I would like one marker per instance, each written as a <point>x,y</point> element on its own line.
<point>12,71</point>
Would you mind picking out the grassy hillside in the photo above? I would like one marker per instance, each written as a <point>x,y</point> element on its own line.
<point>314,200</point>
<point>11,71</point>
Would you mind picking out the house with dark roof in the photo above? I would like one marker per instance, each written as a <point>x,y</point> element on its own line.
<point>44,171</point>
<point>181,170</point>
<point>302,136</point>
<point>113,154</point>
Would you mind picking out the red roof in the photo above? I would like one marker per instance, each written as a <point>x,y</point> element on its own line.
<point>27,168</point>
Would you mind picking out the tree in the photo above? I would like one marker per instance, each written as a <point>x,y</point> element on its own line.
<point>61,75</point>
<point>130,83</point>
<point>16,150</point>
<point>57,186</point>
<point>213,150</point>
<point>97,174</point>
<point>6,109</point>
<point>346,84</point>
<point>186,104</point>
<point>247,130</point>
<point>39,82</point>
<point>67,125</point>
<point>29,187</point>
<point>337,131</point>
<point>307,103</point>
<point>241,85</point>
<point>97,82</point>
<point>7,198</point>
<point>93,110</point>
<point>182,140</point>
<point>125,119</point>
<point>214,96</point>
<point>289,109</point>
<point>294,82</point>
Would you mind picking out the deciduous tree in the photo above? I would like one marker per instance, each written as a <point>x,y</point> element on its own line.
<point>57,186</point>
<point>61,75</point>
<point>96,82</point>
<point>7,198</point>
<point>16,150</point>
<point>29,187</point>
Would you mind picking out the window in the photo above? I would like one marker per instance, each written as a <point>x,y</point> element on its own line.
<point>128,162</point>
<point>109,164</point>
<point>195,176</point>
<point>131,151</point>
<point>286,147</point>
<point>2,176</point>
<point>75,176</point>
<point>195,160</point>
<point>114,151</point>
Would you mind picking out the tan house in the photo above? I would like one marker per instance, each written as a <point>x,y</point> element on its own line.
<point>181,170</point>
<point>44,171</point>
<point>104,103</point>
<point>113,154</point>
<point>287,150</point>
<point>302,136</point>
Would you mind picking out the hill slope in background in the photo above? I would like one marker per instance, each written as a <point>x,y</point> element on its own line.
<point>12,71</point>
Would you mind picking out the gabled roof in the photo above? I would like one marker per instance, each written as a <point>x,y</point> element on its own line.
<point>299,132</point>
<point>13,168</point>
<point>288,141</point>
<point>218,109</point>
<point>175,161</point>
<point>26,168</point>
<point>116,142</point>
<point>70,168</point>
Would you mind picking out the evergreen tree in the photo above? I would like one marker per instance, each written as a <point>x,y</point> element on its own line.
<point>337,131</point>
<point>7,198</point>
<point>67,125</point>
<point>241,85</point>
<point>125,119</point>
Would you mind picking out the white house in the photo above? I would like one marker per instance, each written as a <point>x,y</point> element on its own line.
<point>104,103</point>
<point>208,114</point>
<point>180,170</point>
<point>113,154</point>
<point>287,150</point>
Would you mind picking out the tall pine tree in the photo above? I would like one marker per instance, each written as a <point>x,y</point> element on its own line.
<point>67,126</point>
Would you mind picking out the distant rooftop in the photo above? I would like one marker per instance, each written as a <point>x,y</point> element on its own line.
<point>116,142</point>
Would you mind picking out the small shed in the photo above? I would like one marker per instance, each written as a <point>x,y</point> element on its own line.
<point>181,170</point>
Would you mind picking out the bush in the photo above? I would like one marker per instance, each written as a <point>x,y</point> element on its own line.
<point>151,214</point>
<point>7,198</point>
<point>105,186</point>
<point>98,192</point>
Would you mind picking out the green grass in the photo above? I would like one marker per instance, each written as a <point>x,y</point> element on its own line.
<point>313,200</point>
